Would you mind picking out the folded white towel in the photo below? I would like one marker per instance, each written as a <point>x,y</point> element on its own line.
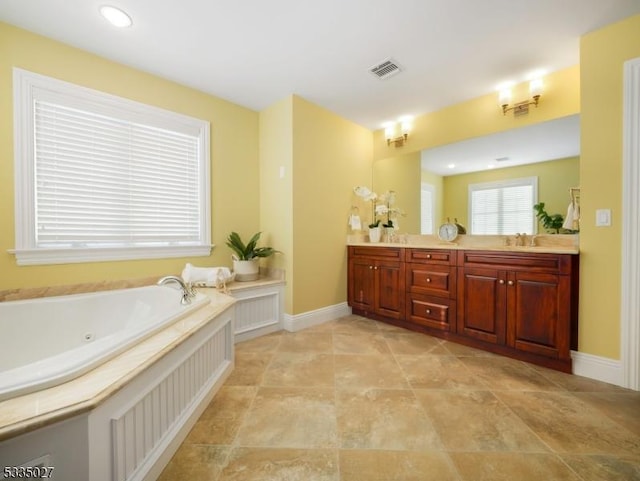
<point>568,220</point>
<point>211,276</point>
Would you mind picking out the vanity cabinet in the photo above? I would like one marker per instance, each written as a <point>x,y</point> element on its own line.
<point>431,288</point>
<point>519,300</point>
<point>377,281</point>
<point>520,304</point>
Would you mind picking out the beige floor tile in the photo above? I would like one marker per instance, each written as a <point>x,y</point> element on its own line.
<point>383,419</point>
<point>571,382</point>
<point>604,468</point>
<point>304,369</point>
<point>249,368</point>
<point>477,421</point>
<point>501,373</point>
<point>221,420</point>
<point>306,342</point>
<point>367,371</point>
<point>254,464</point>
<point>438,372</point>
<point>621,407</point>
<point>569,425</point>
<point>355,325</point>
<point>360,343</point>
<point>512,467</point>
<point>462,350</point>
<point>292,418</point>
<point>413,343</point>
<point>372,465</point>
<point>268,343</point>
<point>195,462</point>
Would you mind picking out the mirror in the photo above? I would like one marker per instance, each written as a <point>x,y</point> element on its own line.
<point>548,150</point>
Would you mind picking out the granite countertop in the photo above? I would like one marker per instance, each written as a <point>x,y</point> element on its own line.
<point>34,410</point>
<point>544,244</point>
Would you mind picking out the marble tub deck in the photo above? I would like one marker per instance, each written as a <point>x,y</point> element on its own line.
<point>358,400</point>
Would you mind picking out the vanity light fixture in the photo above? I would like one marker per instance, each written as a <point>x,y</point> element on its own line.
<point>397,132</point>
<point>520,108</point>
<point>115,16</point>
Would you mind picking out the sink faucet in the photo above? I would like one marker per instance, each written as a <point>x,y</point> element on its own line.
<point>187,291</point>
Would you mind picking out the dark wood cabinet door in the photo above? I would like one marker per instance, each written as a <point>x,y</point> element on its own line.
<point>361,284</point>
<point>389,288</point>
<point>538,313</point>
<point>482,304</point>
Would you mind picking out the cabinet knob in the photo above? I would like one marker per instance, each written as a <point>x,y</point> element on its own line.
<point>428,256</point>
<point>510,283</point>
<point>428,311</point>
<point>370,267</point>
<point>428,279</point>
<point>501,281</point>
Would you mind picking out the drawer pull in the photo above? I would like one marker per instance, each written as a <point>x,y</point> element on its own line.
<point>428,311</point>
<point>428,279</point>
<point>375,268</point>
<point>510,283</point>
<point>370,267</point>
<point>428,256</point>
<point>501,281</point>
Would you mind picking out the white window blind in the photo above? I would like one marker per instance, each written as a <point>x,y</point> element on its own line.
<point>426,208</point>
<point>108,178</point>
<point>504,207</point>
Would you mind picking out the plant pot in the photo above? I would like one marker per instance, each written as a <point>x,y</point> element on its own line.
<point>374,234</point>
<point>246,270</point>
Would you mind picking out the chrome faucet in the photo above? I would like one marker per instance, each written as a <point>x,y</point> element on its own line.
<point>187,290</point>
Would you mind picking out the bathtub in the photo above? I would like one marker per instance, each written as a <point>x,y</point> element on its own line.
<point>51,340</point>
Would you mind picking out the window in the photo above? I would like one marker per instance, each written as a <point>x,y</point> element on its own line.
<point>504,207</point>
<point>426,208</point>
<point>100,177</point>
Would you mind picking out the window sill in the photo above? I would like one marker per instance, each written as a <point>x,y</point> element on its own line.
<point>30,257</point>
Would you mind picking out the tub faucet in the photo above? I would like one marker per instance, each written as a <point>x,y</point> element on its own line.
<point>187,291</point>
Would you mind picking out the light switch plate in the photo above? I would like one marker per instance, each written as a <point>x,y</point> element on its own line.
<point>603,217</point>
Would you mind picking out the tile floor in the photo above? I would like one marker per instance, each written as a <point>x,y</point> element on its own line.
<point>359,400</point>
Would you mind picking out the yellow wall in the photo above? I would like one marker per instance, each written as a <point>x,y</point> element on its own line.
<point>234,155</point>
<point>331,156</point>
<point>482,115</point>
<point>276,192</point>
<point>554,180</point>
<point>603,53</point>
<point>401,174</point>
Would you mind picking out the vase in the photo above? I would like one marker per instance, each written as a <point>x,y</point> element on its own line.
<point>246,270</point>
<point>374,234</point>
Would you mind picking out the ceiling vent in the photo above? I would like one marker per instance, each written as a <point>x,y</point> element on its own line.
<point>386,69</point>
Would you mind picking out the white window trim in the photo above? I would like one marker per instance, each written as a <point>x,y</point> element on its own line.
<point>26,86</point>
<point>431,188</point>
<point>533,181</point>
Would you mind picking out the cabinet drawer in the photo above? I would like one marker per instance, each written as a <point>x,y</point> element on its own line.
<point>432,280</point>
<point>540,262</point>
<point>437,313</point>
<point>431,256</point>
<point>376,252</point>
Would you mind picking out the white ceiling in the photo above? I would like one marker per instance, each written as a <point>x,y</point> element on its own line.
<point>552,140</point>
<point>255,53</point>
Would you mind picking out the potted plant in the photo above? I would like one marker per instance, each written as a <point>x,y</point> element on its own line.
<point>374,227</point>
<point>246,256</point>
<point>552,223</point>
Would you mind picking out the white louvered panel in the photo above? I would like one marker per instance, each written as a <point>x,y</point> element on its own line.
<point>143,426</point>
<point>256,312</point>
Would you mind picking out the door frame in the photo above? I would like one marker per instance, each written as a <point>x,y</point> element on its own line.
<point>630,295</point>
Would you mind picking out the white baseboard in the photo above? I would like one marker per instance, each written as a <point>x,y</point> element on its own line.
<point>598,368</point>
<point>297,322</point>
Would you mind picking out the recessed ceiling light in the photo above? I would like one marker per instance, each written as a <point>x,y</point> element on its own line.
<point>452,166</point>
<point>115,16</point>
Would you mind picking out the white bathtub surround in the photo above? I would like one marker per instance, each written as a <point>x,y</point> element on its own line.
<point>124,419</point>
<point>56,339</point>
